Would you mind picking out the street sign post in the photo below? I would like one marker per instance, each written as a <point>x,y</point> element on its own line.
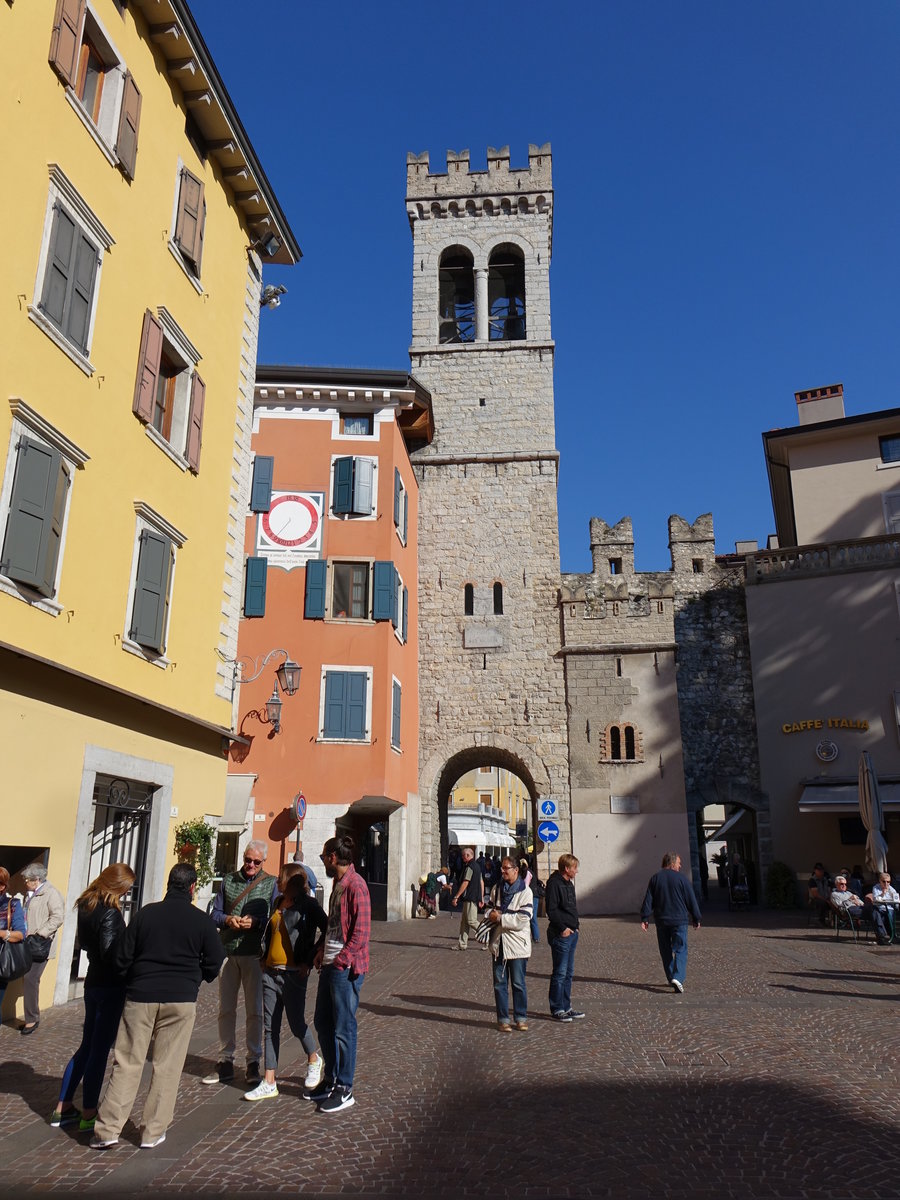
<point>298,807</point>
<point>548,831</point>
<point>548,808</point>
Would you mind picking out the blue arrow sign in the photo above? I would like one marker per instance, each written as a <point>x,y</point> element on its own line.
<point>548,808</point>
<point>548,831</point>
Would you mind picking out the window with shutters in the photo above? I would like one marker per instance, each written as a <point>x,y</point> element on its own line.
<point>188,224</point>
<point>345,704</point>
<point>35,499</point>
<point>156,544</point>
<point>891,502</point>
<point>99,86</point>
<point>353,486</point>
<point>169,394</point>
<point>401,507</point>
<point>396,694</point>
<point>68,278</point>
<point>350,591</point>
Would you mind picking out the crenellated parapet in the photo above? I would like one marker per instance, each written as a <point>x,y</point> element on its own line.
<point>499,189</point>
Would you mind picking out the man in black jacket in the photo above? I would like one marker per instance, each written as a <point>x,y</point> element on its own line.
<point>562,934</point>
<point>672,901</point>
<point>166,951</point>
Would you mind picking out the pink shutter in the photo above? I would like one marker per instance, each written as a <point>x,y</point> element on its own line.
<point>148,367</point>
<point>65,39</point>
<point>195,423</point>
<point>129,119</point>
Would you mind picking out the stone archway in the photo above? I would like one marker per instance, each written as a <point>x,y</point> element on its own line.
<point>734,793</point>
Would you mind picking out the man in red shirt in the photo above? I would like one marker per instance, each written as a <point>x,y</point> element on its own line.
<point>343,960</point>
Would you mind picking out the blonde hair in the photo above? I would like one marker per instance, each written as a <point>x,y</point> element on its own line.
<point>107,889</point>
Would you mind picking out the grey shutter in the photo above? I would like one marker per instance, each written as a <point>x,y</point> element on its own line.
<point>383,589</point>
<point>261,488</point>
<point>335,707</point>
<point>195,423</point>
<point>151,591</point>
<point>363,479</point>
<point>129,120</point>
<point>148,367</point>
<point>314,605</point>
<point>342,491</point>
<point>81,291</point>
<point>398,495</point>
<point>34,527</point>
<point>59,266</point>
<point>65,40</point>
<point>395,715</point>
<point>404,626</point>
<point>255,587</point>
<point>405,523</point>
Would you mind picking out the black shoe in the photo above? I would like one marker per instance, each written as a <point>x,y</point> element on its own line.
<point>322,1092</point>
<point>224,1073</point>
<point>341,1097</point>
<point>26,1029</point>
<point>253,1075</point>
<point>575,1014</point>
<point>561,1016</point>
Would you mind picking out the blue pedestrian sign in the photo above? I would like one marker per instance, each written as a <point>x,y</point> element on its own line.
<point>548,808</point>
<point>548,831</point>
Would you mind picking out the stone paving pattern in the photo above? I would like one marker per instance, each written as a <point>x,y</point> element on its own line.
<point>738,1088</point>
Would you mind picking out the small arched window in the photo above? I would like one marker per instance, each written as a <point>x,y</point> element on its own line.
<point>629,741</point>
<point>498,599</point>
<point>506,294</point>
<point>456,298</point>
<point>622,743</point>
<point>615,742</point>
<point>468,600</point>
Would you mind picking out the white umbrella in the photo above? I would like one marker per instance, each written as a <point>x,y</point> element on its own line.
<point>872,815</point>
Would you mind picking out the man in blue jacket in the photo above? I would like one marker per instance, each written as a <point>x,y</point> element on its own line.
<point>672,901</point>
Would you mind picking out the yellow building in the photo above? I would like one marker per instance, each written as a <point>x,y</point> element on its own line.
<point>486,806</point>
<point>130,298</point>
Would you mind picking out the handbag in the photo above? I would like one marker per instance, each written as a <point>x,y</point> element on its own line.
<point>483,932</point>
<point>38,947</point>
<point>15,957</point>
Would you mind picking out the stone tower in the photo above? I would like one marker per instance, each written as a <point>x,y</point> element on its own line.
<point>491,681</point>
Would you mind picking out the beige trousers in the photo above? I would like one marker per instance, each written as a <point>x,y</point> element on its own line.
<point>241,971</point>
<point>468,922</point>
<point>169,1026</point>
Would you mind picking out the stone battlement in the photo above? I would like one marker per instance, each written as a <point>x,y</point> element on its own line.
<point>497,180</point>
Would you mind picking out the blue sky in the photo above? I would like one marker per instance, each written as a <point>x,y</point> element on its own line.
<point>727,187</point>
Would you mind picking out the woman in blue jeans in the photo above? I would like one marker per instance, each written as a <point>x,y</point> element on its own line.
<point>100,925</point>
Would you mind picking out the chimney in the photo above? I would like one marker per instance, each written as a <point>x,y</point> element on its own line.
<point>820,404</point>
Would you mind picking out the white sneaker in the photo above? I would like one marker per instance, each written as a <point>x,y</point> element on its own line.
<point>677,985</point>
<point>262,1091</point>
<point>314,1072</point>
<point>156,1142</point>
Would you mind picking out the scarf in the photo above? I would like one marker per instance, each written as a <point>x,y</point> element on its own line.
<point>507,891</point>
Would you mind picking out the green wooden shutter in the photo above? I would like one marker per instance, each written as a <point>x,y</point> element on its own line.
<point>355,721</point>
<point>395,597</point>
<point>363,486</point>
<point>405,521</point>
<point>398,494</point>
<point>395,715</point>
<point>34,527</point>
<point>342,495</point>
<point>149,360</point>
<point>384,587</point>
<point>195,423</point>
<point>151,591</point>
<point>65,40</point>
<point>255,587</point>
<point>335,704</point>
<point>261,488</point>
<point>405,619</point>
<point>314,602</point>
<point>129,120</point>
<point>81,292</point>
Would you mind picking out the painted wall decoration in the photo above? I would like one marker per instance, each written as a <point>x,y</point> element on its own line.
<point>290,533</point>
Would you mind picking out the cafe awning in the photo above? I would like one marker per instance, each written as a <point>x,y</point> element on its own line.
<point>844,797</point>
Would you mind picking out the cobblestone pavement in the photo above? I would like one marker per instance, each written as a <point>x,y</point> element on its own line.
<point>775,1075</point>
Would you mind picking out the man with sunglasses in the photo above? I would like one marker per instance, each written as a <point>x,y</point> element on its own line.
<point>240,913</point>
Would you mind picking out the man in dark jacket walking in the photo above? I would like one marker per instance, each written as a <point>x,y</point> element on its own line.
<point>164,954</point>
<point>562,934</point>
<point>672,901</point>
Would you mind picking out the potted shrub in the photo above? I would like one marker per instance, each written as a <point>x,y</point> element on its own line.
<point>194,844</point>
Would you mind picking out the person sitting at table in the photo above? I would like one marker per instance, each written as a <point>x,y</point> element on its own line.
<point>881,898</point>
<point>842,898</point>
<point>820,892</point>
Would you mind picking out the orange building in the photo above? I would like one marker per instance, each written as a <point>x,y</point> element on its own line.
<point>331,580</point>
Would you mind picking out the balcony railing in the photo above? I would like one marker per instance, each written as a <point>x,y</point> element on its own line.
<point>824,558</point>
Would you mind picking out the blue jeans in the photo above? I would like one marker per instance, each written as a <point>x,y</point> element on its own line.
<point>563,952</point>
<point>102,1010</point>
<point>672,941</point>
<point>510,971</point>
<point>336,1003</point>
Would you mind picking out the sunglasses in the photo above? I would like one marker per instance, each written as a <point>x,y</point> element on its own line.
<point>256,861</point>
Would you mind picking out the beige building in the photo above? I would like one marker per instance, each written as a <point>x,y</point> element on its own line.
<point>824,624</point>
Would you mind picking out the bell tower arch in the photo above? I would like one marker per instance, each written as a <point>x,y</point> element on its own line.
<point>489,573</point>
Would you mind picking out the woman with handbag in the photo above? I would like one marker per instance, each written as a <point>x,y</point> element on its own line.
<point>44,913</point>
<point>100,926</point>
<point>509,921</point>
<point>13,962</point>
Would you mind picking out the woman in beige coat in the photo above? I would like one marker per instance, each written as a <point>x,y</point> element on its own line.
<point>44,913</point>
<point>510,942</point>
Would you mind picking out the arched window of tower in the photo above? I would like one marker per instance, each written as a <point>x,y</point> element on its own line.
<point>506,294</point>
<point>498,599</point>
<point>456,302</point>
<point>468,600</point>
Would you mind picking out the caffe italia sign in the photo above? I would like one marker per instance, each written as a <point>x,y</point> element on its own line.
<point>825,723</point>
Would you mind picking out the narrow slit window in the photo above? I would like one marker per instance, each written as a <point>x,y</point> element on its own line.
<point>468,600</point>
<point>615,742</point>
<point>498,599</point>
